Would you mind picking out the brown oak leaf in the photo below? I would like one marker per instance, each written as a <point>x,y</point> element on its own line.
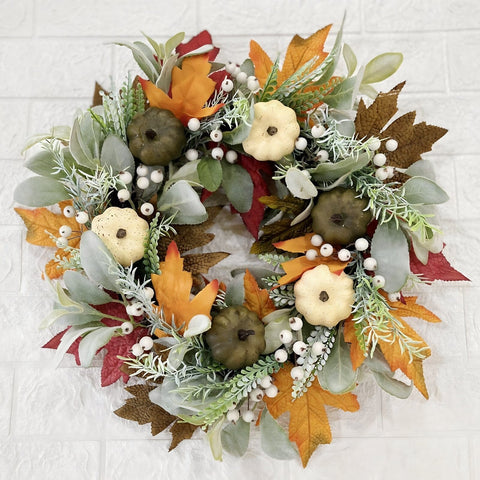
<point>140,409</point>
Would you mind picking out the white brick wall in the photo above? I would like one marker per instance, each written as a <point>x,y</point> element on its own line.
<point>58,424</point>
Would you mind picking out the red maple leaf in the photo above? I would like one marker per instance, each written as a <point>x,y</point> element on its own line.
<point>437,268</point>
<point>200,40</point>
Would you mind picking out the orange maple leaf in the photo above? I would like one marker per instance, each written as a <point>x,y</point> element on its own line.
<point>41,222</point>
<point>190,90</point>
<point>410,308</point>
<point>299,51</point>
<point>357,356</point>
<point>308,426</point>
<point>172,290</point>
<point>296,267</point>
<point>53,268</point>
<point>257,300</point>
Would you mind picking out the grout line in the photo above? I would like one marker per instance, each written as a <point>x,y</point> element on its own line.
<point>102,460</point>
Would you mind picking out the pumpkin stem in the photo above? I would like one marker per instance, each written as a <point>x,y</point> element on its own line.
<point>244,334</point>
<point>272,131</point>
<point>337,218</point>
<point>150,134</point>
<point>324,296</point>
<point>121,233</point>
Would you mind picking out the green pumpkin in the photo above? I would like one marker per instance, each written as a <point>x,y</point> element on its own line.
<point>236,338</point>
<point>340,216</point>
<point>156,136</point>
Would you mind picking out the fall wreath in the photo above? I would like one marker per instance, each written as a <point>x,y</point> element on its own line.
<point>327,179</point>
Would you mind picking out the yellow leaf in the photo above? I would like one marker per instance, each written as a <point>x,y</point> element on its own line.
<point>190,90</point>
<point>257,300</point>
<point>308,426</point>
<point>52,268</point>
<point>172,290</point>
<point>41,220</point>
<point>399,359</point>
<point>412,309</point>
<point>296,245</point>
<point>357,355</point>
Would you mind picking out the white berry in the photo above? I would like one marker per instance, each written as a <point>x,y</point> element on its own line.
<point>147,209</point>
<point>69,212</point>
<point>125,177</point>
<point>149,292</point>
<point>253,84</point>
<point>143,183</point>
<point>318,348</point>
<point>379,281</point>
<point>316,240</point>
<point>379,159</point>
<point>123,195</point>
<point>271,391</point>
<point>193,124</point>
<point>301,143</point>
<point>236,71</point>
<point>370,264</point>
<point>311,254</point>
<point>394,297</point>
<point>230,67</point>
<point>344,255</point>
<point>286,336</point>
<point>126,327</point>
<point>137,349</point>
<point>248,416</point>
<point>233,416</point>
<point>300,360</point>
<point>241,77</point>
<point>61,242</point>
<point>381,174</point>
<point>216,135</point>
<point>81,217</point>
<point>156,176</point>
<point>217,153</point>
<point>322,156</point>
<point>326,250</point>
<point>146,342</point>
<point>391,145</point>
<point>256,395</point>
<point>390,172</point>
<point>65,231</point>
<point>231,156</point>
<point>296,323</point>
<point>297,373</point>
<point>142,170</point>
<point>373,144</point>
<point>191,154</point>
<point>135,309</point>
<point>317,130</point>
<point>265,382</point>
<point>299,347</point>
<point>281,355</point>
<point>361,244</point>
<point>227,85</point>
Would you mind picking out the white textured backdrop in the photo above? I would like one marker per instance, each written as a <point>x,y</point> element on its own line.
<point>58,424</point>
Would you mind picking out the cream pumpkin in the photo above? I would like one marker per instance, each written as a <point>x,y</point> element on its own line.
<point>123,232</point>
<point>324,298</point>
<point>273,133</point>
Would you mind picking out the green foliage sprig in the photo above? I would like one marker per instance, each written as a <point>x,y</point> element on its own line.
<point>158,228</point>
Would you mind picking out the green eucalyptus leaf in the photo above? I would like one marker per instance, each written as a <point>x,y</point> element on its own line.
<point>384,376</point>
<point>368,90</point>
<point>275,442</point>
<point>144,59</point>
<point>423,191</point>
<point>210,173</point>
<point>82,289</point>
<point>275,323</point>
<point>344,94</point>
<point>85,141</point>
<point>117,155</point>
<point>92,342</point>
<point>97,261</point>
<point>235,294</point>
<point>43,163</point>
<point>238,186</point>
<point>188,172</point>
<point>382,67</point>
<point>164,80</point>
<point>52,317</point>
<point>70,336</point>
<point>328,171</point>
<point>40,192</point>
<point>235,437</point>
<point>173,43</point>
<point>390,248</point>
<point>248,67</point>
<point>421,168</point>
<point>350,59</point>
<point>337,375</point>
<point>214,437</point>
<point>241,132</point>
<point>74,318</point>
<point>59,132</point>
<point>182,201</point>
